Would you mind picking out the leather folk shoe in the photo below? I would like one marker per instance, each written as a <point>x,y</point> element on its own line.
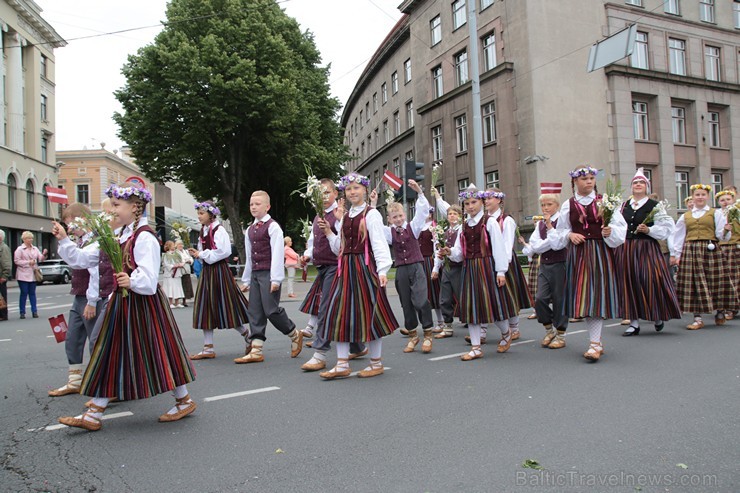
<point>313,365</point>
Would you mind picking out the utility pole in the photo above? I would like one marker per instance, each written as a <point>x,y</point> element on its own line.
<point>475,96</point>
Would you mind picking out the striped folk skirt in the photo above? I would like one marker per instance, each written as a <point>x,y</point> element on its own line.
<point>219,304</point>
<point>703,283</point>
<point>590,282</point>
<point>312,301</point>
<point>433,285</point>
<point>358,310</point>
<point>481,300</point>
<point>534,270</point>
<point>731,256</point>
<point>139,352</point>
<point>187,286</point>
<point>646,288</point>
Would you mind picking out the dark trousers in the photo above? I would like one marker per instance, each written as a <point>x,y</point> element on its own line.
<point>264,306</point>
<point>28,290</point>
<point>4,293</point>
<point>449,286</point>
<point>551,290</point>
<point>411,285</point>
<point>325,275</point>
<point>80,330</point>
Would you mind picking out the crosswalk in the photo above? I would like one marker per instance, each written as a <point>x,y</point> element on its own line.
<point>14,307</point>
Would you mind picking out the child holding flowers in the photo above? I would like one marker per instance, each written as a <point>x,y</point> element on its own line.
<point>730,248</point>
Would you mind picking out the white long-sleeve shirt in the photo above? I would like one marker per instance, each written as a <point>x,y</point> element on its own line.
<point>663,224</point>
<point>418,223</point>
<point>222,242</point>
<point>439,262</point>
<point>146,255</point>
<point>679,234</point>
<point>538,245</point>
<point>559,235</point>
<point>277,249</point>
<point>442,207</point>
<point>497,244</point>
<point>376,235</point>
<point>309,244</point>
<point>92,293</point>
<point>509,232</point>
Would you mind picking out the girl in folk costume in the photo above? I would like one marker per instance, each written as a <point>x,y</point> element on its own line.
<point>358,309</point>
<point>484,298</point>
<point>590,287</point>
<point>515,279</point>
<point>172,267</point>
<point>448,271</point>
<point>139,352</point>
<point>703,283</point>
<point>428,245</point>
<point>730,248</point>
<point>645,281</point>
<point>219,304</point>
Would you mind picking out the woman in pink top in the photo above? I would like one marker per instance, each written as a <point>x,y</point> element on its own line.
<point>291,262</point>
<point>26,257</point>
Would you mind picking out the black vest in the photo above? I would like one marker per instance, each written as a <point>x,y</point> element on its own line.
<point>635,217</point>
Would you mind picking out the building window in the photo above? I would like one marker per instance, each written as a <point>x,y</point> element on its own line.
<point>461,133</point>
<point>362,120</point>
<point>44,67</point>
<point>369,146</point>
<point>377,138</point>
<point>30,208</point>
<point>640,120</point>
<point>489,51</point>
<point>394,82</point>
<point>437,143</point>
<point>712,63</point>
<point>648,174</point>
<point>736,13</point>
<point>83,194</point>
<point>441,190</point>
<point>484,4</point>
<point>671,7</point>
<point>362,150</point>
<point>376,180</point>
<point>463,184</point>
<point>492,180</point>
<point>355,127</point>
<point>410,114</point>
<point>437,87</point>
<point>409,156</point>
<point>12,186</point>
<point>634,2</point>
<point>384,92</point>
<point>706,10</point>
<point>396,124</point>
<point>44,106</point>
<point>678,116</point>
<point>367,111</point>
<point>461,68</point>
<point>386,136</point>
<point>45,197</point>
<point>459,14</point>
<point>396,167</point>
<point>682,188</point>
<point>716,184</point>
<point>714,140</point>
<point>677,56</point>
<point>375,102</point>
<point>435,26</point>
<point>639,58</point>
<point>44,148</point>
<point>489,123</point>
<point>407,71</point>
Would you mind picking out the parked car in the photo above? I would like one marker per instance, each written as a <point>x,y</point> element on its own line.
<point>56,271</point>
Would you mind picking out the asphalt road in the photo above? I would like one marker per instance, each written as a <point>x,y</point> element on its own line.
<point>659,412</point>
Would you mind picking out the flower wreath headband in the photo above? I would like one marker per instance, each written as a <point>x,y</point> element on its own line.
<point>700,186</point>
<point>207,207</point>
<point>495,195</point>
<point>125,193</point>
<point>725,192</point>
<point>351,178</point>
<point>585,170</point>
<point>472,194</point>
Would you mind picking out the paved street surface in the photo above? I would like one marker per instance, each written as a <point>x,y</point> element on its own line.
<point>658,413</point>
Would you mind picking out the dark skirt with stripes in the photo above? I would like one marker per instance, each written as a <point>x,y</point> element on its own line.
<point>312,301</point>
<point>358,310</point>
<point>187,286</point>
<point>731,256</point>
<point>590,281</point>
<point>482,301</point>
<point>534,270</point>
<point>433,285</point>
<point>646,288</point>
<point>703,283</point>
<point>516,281</point>
<point>139,352</point>
<point>219,304</point>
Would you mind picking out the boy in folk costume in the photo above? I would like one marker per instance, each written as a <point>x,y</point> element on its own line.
<point>484,297</point>
<point>318,251</point>
<point>412,282</point>
<point>449,295</point>
<point>590,287</point>
<point>359,310</point>
<point>551,273</point>
<point>218,302</point>
<point>264,271</point>
<point>730,248</point>
<point>647,290</point>
<point>91,288</point>
<point>703,283</point>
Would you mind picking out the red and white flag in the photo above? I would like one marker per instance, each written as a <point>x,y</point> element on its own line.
<point>58,195</point>
<point>392,180</point>
<point>58,327</point>
<point>549,187</point>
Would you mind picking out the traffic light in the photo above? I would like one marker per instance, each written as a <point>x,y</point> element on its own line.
<point>414,171</point>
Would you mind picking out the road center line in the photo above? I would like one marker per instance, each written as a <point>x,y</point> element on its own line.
<point>239,394</point>
<point>613,325</point>
<point>5,340</point>
<point>105,417</point>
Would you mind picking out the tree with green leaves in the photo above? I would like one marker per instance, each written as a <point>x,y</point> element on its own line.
<point>231,98</point>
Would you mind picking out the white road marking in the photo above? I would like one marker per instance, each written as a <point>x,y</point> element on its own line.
<point>105,417</point>
<point>5,340</point>
<point>239,394</point>
<point>456,355</point>
<point>49,337</point>
<point>613,325</point>
<point>42,306</point>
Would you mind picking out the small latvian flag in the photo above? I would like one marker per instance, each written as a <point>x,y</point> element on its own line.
<point>549,187</point>
<point>58,195</point>
<point>392,180</point>
<point>58,327</point>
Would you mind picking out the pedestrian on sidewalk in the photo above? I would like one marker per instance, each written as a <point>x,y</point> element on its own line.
<point>27,258</point>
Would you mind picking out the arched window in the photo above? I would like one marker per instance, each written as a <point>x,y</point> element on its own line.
<point>45,197</point>
<point>11,192</point>
<point>30,202</point>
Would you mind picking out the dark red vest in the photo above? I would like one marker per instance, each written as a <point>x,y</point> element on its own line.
<point>80,282</point>
<point>208,242</point>
<point>426,242</point>
<point>322,254</point>
<point>593,222</point>
<point>550,256</point>
<point>107,276</point>
<point>406,248</point>
<point>352,238</point>
<point>476,245</point>
<point>259,240</point>
<point>450,239</point>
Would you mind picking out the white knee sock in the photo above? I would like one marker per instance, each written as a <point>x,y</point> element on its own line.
<point>180,391</point>
<point>514,323</point>
<point>594,328</point>
<point>343,350</point>
<point>503,326</point>
<point>474,331</point>
<point>207,336</point>
<point>313,320</point>
<point>100,401</point>
<point>243,330</point>
<point>635,324</point>
<point>376,348</point>
<point>319,355</point>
